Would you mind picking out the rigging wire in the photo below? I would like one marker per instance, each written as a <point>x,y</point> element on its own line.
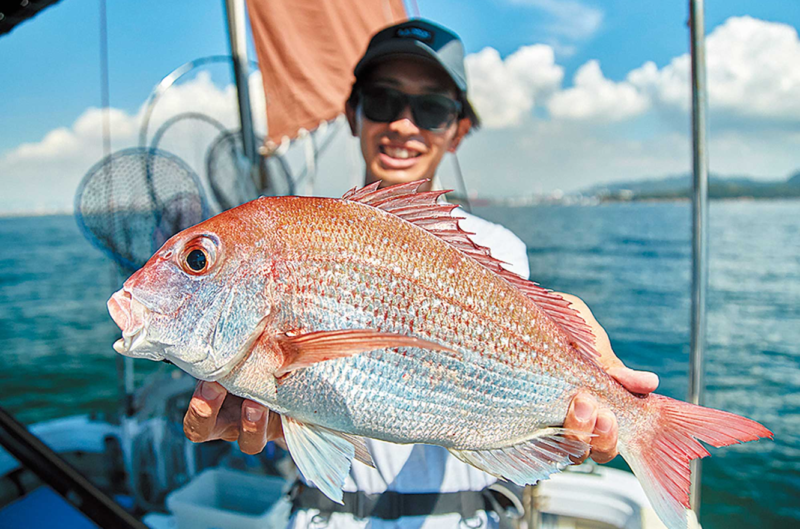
<point>414,8</point>
<point>124,364</point>
<point>462,186</point>
<point>104,91</point>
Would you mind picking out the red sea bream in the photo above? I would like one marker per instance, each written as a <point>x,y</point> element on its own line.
<point>375,316</point>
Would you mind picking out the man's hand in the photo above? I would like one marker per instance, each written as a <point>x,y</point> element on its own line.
<point>214,414</point>
<point>585,414</point>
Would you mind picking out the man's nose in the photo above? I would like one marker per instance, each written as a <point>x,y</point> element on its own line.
<point>404,123</point>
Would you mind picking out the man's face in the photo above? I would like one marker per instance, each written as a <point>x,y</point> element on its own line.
<point>401,151</point>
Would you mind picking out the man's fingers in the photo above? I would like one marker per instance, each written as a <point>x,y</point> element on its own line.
<point>228,419</point>
<point>604,443</point>
<point>201,417</point>
<point>253,429</point>
<point>213,414</point>
<point>275,428</point>
<point>581,417</point>
<point>635,381</point>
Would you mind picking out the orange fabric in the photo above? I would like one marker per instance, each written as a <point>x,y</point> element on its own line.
<point>307,50</point>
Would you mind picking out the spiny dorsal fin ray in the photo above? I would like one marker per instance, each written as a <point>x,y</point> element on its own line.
<point>355,194</point>
<point>370,193</point>
<point>422,209</point>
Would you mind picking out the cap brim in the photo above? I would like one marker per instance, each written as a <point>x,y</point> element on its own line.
<point>405,47</point>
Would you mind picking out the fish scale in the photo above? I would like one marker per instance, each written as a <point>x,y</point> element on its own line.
<point>376,316</point>
<point>316,296</point>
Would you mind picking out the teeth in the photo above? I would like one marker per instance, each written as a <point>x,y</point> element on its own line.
<point>397,152</point>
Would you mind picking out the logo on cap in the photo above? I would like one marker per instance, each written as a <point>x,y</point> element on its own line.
<point>417,33</point>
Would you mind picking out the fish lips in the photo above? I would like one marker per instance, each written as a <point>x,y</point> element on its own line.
<point>130,317</point>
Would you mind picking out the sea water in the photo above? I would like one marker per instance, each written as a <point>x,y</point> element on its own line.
<point>631,263</point>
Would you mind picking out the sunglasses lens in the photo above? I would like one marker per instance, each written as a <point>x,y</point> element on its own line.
<point>434,112</point>
<point>382,105</point>
<point>430,111</point>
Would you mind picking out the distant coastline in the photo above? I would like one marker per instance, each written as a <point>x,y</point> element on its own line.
<point>36,213</point>
<point>668,189</point>
<point>581,200</point>
<point>719,188</point>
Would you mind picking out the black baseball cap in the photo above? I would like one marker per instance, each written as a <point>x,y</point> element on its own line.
<point>425,39</point>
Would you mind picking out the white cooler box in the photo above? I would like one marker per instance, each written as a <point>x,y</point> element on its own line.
<point>226,499</point>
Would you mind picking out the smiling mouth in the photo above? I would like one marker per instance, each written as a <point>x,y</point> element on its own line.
<point>399,152</point>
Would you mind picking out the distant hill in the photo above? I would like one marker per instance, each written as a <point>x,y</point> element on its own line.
<point>677,187</point>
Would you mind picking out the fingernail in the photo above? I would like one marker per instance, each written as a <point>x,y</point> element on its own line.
<point>253,414</point>
<point>583,410</point>
<point>211,391</point>
<point>604,422</point>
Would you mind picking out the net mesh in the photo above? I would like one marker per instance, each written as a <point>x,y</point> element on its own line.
<point>228,172</point>
<point>132,201</point>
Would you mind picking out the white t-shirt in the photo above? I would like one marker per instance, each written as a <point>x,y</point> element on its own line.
<point>424,468</point>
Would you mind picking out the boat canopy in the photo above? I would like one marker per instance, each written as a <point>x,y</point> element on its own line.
<point>306,54</point>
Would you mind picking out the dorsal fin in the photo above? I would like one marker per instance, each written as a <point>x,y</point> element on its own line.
<point>422,209</point>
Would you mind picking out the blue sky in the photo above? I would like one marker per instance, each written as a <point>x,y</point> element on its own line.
<point>50,80</point>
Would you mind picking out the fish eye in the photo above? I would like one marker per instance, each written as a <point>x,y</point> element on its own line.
<point>196,260</point>
<point>198,255</point>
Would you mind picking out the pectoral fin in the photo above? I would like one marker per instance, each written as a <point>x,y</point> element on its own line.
<point>307,349</point>
<point>529,461</point>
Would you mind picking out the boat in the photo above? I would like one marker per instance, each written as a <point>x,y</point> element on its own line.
<point>138,470</point>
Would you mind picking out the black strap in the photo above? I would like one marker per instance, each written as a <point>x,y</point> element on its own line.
<point>390,505</point>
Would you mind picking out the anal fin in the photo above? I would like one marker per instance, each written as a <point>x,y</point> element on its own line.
<point>529,461</point>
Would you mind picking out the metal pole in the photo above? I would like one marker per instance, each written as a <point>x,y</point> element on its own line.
<point>33,454</point>
<point>699,222</point>
<point>530,503</point>
<point>234,10</point>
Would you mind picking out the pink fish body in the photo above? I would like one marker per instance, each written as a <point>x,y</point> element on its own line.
<point>375,316</point>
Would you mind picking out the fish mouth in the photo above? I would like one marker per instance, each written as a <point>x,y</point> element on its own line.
<point>130,317</point>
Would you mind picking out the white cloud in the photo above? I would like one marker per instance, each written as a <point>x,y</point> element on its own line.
<point>596,98</point>
<point>545,155</point>
<point>548,155</point>
<point>752,71</point>
<point>504,92</point>
<point>44,175</point>
<point>571,19</point>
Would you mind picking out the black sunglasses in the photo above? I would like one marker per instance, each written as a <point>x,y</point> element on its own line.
<point>430,111</point>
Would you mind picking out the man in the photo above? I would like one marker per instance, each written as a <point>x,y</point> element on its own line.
<point>409,108</point>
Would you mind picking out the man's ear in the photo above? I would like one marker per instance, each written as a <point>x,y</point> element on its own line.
<point>464,124</point>
<point>350,112</point>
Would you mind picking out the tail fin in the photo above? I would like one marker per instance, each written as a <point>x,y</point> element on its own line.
<point>660,452</point>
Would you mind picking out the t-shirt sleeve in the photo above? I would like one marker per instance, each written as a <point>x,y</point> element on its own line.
<point>501,241</point>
